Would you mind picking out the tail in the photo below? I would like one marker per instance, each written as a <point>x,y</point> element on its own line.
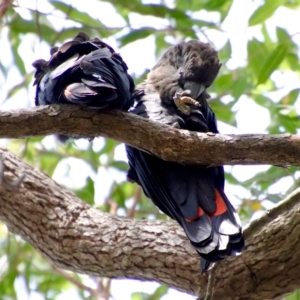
<point>216,233</point>
<point>189,195</point>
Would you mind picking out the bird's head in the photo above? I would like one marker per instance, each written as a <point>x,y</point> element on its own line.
<point>199,63</point>
<point>194,65</point>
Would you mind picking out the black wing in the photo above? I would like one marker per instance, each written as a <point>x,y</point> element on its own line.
<point>192,195</point>
<point>86,72</point>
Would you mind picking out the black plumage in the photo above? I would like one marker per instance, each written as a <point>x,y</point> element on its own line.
<point>174,93</point>
<point>84,71</point>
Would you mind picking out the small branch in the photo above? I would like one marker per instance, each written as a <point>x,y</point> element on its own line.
<point>288,204</point>
<point>4,6</point>
<point>136,199</point>
<point>73,280</point>
<point>164,141</point>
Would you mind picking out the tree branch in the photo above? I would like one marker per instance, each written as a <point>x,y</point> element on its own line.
<point>4,6</point>
<point>164,141</point>
<point>83,239</point>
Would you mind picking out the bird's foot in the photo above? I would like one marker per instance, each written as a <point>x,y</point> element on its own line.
<point>175,125</point>
<point>181,99</point>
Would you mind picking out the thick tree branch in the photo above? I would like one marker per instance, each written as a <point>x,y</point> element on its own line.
<point>164,141</point>
<point>83,239</point>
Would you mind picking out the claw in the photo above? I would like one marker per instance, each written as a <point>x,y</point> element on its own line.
<point>181,99</point>
<point>175,125</point>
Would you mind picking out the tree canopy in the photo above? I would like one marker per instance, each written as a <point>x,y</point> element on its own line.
<point>257,91</point>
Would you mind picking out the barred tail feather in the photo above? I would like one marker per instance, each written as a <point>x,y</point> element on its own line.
<point>217,234</point>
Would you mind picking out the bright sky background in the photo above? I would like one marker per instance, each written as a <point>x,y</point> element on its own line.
<point>235,29</point>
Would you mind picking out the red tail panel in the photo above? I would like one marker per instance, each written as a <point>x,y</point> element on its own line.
<point>200,212</point>
<point>221,206</point>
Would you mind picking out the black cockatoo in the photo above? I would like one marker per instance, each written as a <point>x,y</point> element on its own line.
<point>84,71</point>
<point>174,93</point>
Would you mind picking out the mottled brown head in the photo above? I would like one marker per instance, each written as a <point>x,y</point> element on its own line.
<point>194,61</point>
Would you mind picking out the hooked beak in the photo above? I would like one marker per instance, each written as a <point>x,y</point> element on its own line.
<point>195,88</point>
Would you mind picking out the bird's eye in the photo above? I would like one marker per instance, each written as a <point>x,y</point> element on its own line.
<point>181,72</point>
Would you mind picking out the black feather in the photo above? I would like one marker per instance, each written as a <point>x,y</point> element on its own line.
<point>192,195</point>
<point>84,71</point>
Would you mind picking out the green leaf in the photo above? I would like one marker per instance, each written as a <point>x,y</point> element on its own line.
<point>265,11</point>
<point>210,5</point>
<point>18,25</point>
<point>282,36</point>
<point>135,35</point>
<point>19,86</point>
<point>48,160</point>
<point>161,44</point>
<point>267,39</point>
<point>88,192</point>
<point>240,83</point>
<point>266,178</point>
<point>7,284</point>
<point>159,292</point>
<point>159,11</point>
<point>75,15</point>
<point>225,8</point>
<point>293,61</point>
<point>257,54</point>
<point>292,4</point>
<point>120,165</point>
<point>289,120</point>
<point>223,82</point>
<point>122,192</point>
<point>263,101</point>
<point>215,5</point>
<point>272,62</point>
<point>157,295</point>
<point>15,43</point>
<point>291,97</point>
<point>223,112</point>
<point>294,296</point>
<point>225,53</point>
<point>56,283</point>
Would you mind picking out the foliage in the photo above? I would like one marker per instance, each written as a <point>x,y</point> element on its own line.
<point>265,79</point>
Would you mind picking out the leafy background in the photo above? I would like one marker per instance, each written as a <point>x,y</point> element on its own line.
<point>257,90</point>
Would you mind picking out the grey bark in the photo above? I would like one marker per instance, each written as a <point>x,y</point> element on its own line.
<point>83,239</point>
<point>164,141</point>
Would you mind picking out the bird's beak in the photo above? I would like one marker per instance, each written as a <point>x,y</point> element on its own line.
<point>195,88</point>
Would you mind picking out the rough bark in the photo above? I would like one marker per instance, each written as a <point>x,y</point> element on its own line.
<point>83,239</point>
<point>164,141</point>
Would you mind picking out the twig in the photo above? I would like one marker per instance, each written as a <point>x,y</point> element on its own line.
<point>113,206</point>
<point>285,205</point>
<point>210,285</point>
<point>73,280</point>
<point>136,199</point>
<point>4,5</point>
